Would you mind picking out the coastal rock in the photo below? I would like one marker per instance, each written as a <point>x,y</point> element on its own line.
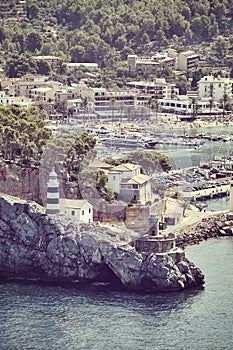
<point>213,226</point>
<point>58,249</point>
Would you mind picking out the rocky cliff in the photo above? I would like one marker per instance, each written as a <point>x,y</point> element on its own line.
<point>59,249</point>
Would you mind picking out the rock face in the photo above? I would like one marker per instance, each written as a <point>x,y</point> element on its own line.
<point>59,249</point>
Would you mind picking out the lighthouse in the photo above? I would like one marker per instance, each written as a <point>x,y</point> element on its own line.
<point>52,206</point>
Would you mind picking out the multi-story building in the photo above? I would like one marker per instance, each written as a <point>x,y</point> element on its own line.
<point>154,63</point>
<point>25,86</point>
<point>187,60</point>
<point>151,64</point>
<point>159,89</point>
<point>6,100</point>
<point>215,88</point>
<point>106,100</point>
<point>185,105</point>
<point>54,61</point>
<point>129,184</point>
<point>42,94</point>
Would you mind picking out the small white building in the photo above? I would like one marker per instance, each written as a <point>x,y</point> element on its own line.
<point>215,88</point>
<point>81,209</point>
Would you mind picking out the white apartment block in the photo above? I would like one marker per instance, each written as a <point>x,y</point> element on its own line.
<point>105,100</point>
<point>156,89</point>
<point>6,100</point>
<point>187,60</point>
<point>214,88</point>
<point>151,64</point>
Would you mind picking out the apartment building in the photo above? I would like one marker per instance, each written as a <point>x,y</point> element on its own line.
<point>54,61</point>
<point>187,60</point>
<point>105,100</point>
<point>215,87</point>
<point>151,64</point>
<point>156,89</point>
<point>6,100</point>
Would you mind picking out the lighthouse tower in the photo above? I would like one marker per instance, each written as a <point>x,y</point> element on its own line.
<point>52,206</point>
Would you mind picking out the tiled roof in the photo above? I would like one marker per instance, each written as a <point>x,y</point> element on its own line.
<point>139,179</point>
<point>72,203</point>
<point>126,167</point>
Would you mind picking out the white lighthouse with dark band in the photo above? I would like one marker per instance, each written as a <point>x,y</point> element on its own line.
<point>53,194</point>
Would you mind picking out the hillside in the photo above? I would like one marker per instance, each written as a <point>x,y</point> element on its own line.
<point>107,31</point>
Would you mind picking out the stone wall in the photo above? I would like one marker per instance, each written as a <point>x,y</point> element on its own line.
<point>20,182</point>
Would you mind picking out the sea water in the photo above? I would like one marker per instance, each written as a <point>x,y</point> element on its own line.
<point>58,318</point>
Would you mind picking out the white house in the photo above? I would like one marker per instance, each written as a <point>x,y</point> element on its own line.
<point>81,209</point>
<point>215,88</point>
<point>120,172</point>
<point>127,181</point>
<point>136,190</point>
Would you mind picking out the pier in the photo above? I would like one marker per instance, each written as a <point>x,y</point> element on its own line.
<point>213,190</point>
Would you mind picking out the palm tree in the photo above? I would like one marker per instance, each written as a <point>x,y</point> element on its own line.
<point>211,102</point>
<point>195,108</point>
<point>224,103</point>
<point>112,103</point>
<point>84,106</point>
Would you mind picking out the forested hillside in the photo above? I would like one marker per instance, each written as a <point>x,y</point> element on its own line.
<point>105,31</point>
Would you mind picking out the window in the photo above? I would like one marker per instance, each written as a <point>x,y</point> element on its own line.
<point>72,212</point>
<point>82,212</point>
<point>135,186</point>
<point>114,177</point>
<point>89,210</point>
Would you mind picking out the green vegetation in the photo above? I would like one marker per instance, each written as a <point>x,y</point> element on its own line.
<point>107,31</point>
<point>66,151</point>
<point>26,141</point>
<point>22,135</point>
<point>150,162</point>
<point>101,186</point>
